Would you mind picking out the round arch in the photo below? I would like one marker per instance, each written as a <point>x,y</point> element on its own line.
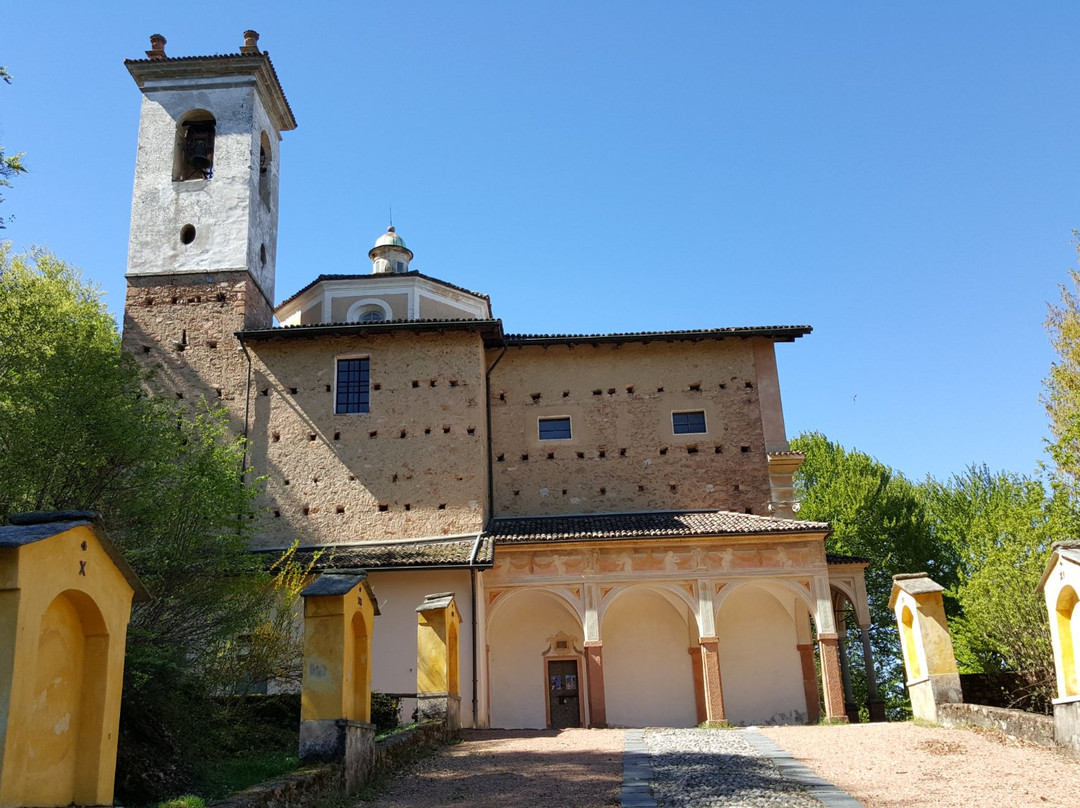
<point>649,631</point>
<point>356,309</point>
<point>671,593</point>
<point>554,593</point>
<point>521,623</point>
<point>800,593</point>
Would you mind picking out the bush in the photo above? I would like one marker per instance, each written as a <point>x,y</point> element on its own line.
<point>385,711</point>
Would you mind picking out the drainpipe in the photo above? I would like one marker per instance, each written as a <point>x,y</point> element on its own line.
<point>475,656</point>
<point>247,404</point>
<point>476,549</point>
<point>487,409</point>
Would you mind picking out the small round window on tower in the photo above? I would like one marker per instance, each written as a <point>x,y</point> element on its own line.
<point>187,234</point>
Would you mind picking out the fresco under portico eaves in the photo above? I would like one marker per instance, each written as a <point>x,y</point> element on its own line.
<point>381,296</point>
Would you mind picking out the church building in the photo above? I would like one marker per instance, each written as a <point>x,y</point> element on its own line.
<point>614,513</point>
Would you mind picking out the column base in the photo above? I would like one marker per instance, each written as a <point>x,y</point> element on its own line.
<point>351,743</point>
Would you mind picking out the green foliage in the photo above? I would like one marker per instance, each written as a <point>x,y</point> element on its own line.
<point>984,536</point>
<point>385,712</point>
<point>77,431</point>
<point>187,801</point>
<point>877,514</point>
<point>10,164</point>
<point>1002,525</point>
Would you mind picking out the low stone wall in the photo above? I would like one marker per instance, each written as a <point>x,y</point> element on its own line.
<point>306,786</point>
<point>1028,726</point>
<point>1008,689</point>
<point>302,787</point>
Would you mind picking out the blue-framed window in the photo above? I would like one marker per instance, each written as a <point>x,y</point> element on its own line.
<point>688,423</point>
<point>555,428</point>
<point>353,392</point>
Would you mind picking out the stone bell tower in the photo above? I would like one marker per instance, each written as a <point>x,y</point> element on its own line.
<point>203,243</point>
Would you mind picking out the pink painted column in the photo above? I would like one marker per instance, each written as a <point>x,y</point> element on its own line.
<point>594,665</point>
<point>830,679</point>
<point>714,691</point>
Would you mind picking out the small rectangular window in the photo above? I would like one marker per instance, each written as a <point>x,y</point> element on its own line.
<point>688,423</point>
<point>353,386</point>
<point>555,428</point>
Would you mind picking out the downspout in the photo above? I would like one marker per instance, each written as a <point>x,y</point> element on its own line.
<point>247,404</point>
<point>472,594</point>
<point>476,549</point>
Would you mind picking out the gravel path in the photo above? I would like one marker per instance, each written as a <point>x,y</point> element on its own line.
<point>881,765</point>
<point>709,768</point>
<point>516,769</point>
<point>901,765</point>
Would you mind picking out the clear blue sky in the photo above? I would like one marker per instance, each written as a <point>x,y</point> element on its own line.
<point>902,177</point>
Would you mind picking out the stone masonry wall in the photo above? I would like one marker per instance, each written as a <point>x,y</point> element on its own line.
<point>182,327</point>
<point>623,455</point>
<point>414,466</point>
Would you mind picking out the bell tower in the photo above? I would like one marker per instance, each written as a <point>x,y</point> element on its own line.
<point>206,173</point>
<point>204,213</point>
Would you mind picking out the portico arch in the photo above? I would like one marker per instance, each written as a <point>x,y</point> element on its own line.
<point>520,624</point>
<point>647,630</point>
<point>758,642</point>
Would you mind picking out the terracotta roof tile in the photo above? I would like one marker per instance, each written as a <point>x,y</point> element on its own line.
<point>785,333</point>
<point>396,555</point>
<point>656,524</point>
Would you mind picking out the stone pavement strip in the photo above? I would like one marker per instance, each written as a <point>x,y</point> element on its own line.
<point>693,768</point>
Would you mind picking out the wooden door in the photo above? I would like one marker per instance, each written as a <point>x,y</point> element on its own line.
<point>564,702</point>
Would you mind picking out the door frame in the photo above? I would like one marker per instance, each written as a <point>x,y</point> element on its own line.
<point>579,662</point>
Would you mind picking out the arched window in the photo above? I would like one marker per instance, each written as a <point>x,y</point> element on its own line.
<point>266,159</point>
<point>194,159</point>
<point>369,310</point>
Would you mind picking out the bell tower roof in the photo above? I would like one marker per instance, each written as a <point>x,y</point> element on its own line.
<point>160,71</point>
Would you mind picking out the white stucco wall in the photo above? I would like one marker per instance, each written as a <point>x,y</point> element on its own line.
<point>231,221</point>
<point>518,632</point>
<point>393,658</point>
<point>648,678</point>
<point>759,663</point>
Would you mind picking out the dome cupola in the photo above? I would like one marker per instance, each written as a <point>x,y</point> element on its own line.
<point>390,255</point>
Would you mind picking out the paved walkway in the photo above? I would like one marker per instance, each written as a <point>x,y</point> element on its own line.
<point>672,768</point>
<point>695,768</point>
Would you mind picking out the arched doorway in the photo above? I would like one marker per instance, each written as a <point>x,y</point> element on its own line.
<point>520,625</point>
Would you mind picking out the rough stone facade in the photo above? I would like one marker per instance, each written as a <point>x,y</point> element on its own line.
<point>623,454</point>
<point>413,467</point>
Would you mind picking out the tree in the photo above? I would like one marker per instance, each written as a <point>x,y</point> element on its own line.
<point>10,165</point>
<point>1002,526</point>
<point>878,514</point>
<point>77,431</point>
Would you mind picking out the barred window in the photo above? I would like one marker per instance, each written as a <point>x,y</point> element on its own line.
<point>353,386</point>
<point>555,428</point>
<point>687,423</point>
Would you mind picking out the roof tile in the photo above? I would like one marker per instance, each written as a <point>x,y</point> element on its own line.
<point>656,524</point>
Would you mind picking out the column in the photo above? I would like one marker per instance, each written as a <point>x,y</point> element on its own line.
<point>594,666</point>
<point>714,691</point>
<point>851,709</point>
<point>699,683</point>
<point>876,705</point>
<point>830,678</point>
<point>809,678</point>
